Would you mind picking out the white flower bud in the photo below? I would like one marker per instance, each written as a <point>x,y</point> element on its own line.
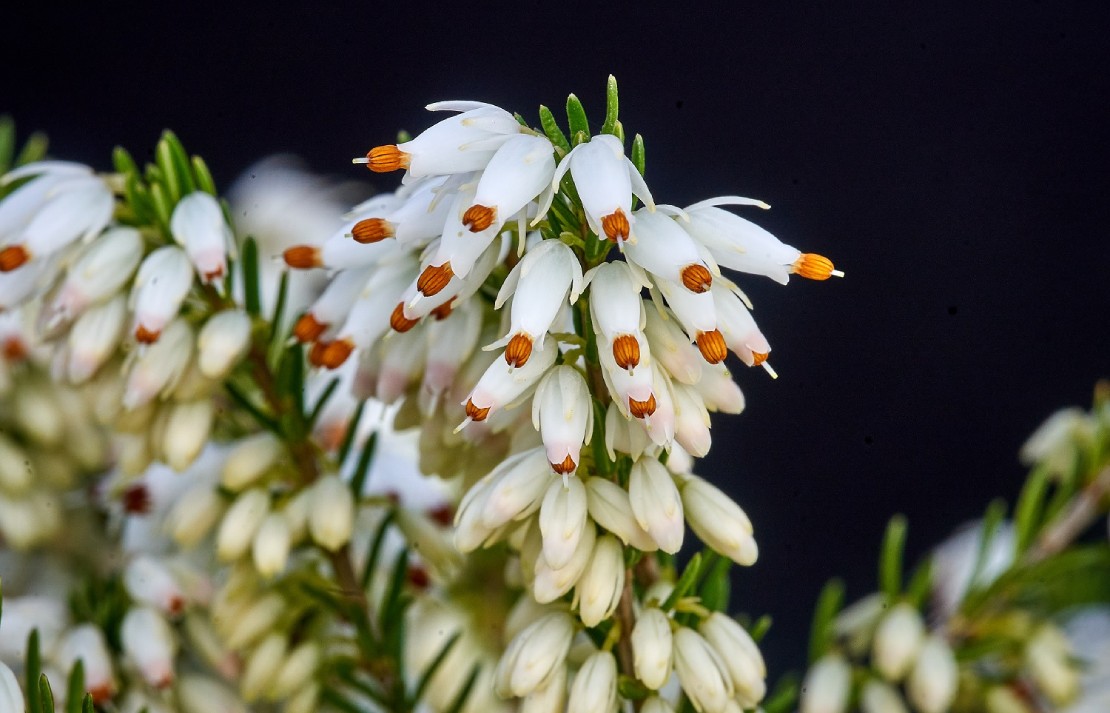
<point>516,488</point>
<point>254,620</point>
<point>150,643</point>
<point>297,670</point>
<point>262,667</point>
<point>306,700</point>
<point>518,172</point>
<point>550,583</point>
<point>331,514</point>
<point>740,654</point>
<point>652,645</point>
<point>656,503</point>
<point>249,460</point>
<point>827,685</point>
<point>1002,699</point>
<point>692,421</point>
<point>562,519</point>
<point>609,506</point>
<point>159,367</point>
<point>222,342</point>
<point>562,411</point>
<point>856,623</point>
<point>718,521</point>
<point>150,582</point>
<point>101,270</point>
<point>207,645</point>
<point>879,697</point>
<point>599,589</point>
<point>897,641</point>
<point>655,704</point>
<point>16,473</point>
<point>198,225</point>
<point>86,643</point>
<point>93,338</point>
<point>534,655</point>
<point>160,287</point>
<point>270,549</point>
<point>193,515</point>
<point>240,524</point>
<point>200,694</point>
<point>429,539</point>
<point>188,427</point>
<point>48,614</point>
<point>702,672</point>
<point>1049,655</point>
<point>933,681</point>
<point>595,685</point>
<point>38,414</point>
<point>11,697</point>
<point>549,698</point>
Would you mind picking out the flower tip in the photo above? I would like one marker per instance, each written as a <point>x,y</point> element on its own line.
<point>12,257</point>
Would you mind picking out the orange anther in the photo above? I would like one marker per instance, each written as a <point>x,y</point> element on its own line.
<point>146,336</point>
<point>336,353</point>
<point>399,321</point>
<point>383,159</point>
<point>371,230</point>
<point>474,413</point>
<point>642,409</point>
<point>478,217</point>
<point>696,278</point>
<point>813,266</point>
<point>12,257</point>
<point>303,256</point>
<point>519,349</point>
<point>434,279</point>
<point>626,351</point>
<point>712,346</point>
<point>308,329</point>
<point>615,225</point>
<point>567,466</point>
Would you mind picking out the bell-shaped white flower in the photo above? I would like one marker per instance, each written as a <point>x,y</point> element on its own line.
<point>149,581</point>
<point>199,226</point>
<point>879,697</point>
<point>241,523</point>
<point>516,488</point>
<point>201,694</point>
<point>18,286</point>
<point>549,583</point>
<point>718,521</point>
<point>86,643</point>
<point>595,685</point>
<point>11,696</point>
<point>741,655</point>
<point>297,669</point>
<point>539,284</point>
<point>691,420</point>
<point>618,313</point>
<point>633,391</point>
<point>331,513</point>
<point>652,646</point>
<point>462,143</point>
<point>668,252</point>
<point>442,298</point>
<point>742,245</point>
<point>222,342</point>
<point>160,366</point>
<point>897,640</point>
<point>518,172</point>
<point>151,645</point>
<point>598,591</point>
<point>188,426</point>
<point>702,672</point>
<point>609,505</point>
<point>1051,658</point>
<point>740,331</point>
<point>369,316</point>
<point>99,272</point>
<point>932,683</point>
<point>563,518</point>
<point>697,313</point>
<point>249,460</point>
<point>562,411</point>
<point>193,515</point>
<point>827,685</point>
<point>671,347</point>
<point>270,547</point>
<point>164,279</point>
<point>418,218</point>
<point>534,655</point>
<point>500,385</point>
<point>606,181</point>
<point>263,666</point>
<point>332,305</point>
<point>549,698</point>
<point>93,338</point>
<point>656,503</point>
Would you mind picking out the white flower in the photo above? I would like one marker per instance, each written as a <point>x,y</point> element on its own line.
<point>160,366</point>
<point>222,342</point>
<point>668,252</point>
<point>549,582</point>
<point>897,641</point>
<point>692,422</point>
<point>1050,656</point>
<point>270,548</point>
<point>93,338</point>
<point>500,385</point>
<point>827,685</point>
<point>198,225</point>
<point>252,621</point>
<point>534,655</point>
<point>610,507</point>
<point>518,172</point>
<point>249,460</point>
<point>595,685</point>
<point>718,521</point>
<point>164,279</point>
<point>188,426</point>
<point>193,515</point>
<point>652,644</point>
<point>656,503</point>
<point>332,304</point>
<point>151,582</point>
<point>462,143</point>
<point>879,697</point>
<point>599,589</point>
<point>200,694</point>
<point>740,654</point>
<point>516,488</point>
<point>86,643</point>
<point>670,345</point>
<point>263,666</point>
<point>563,518</point>
<point>240,524</point>
<point>697,312</point>
<point>740,331</point>
<point>297,670</point>
<point>618,313</point>
<point>562,411</point>
<point>549,698</point>
<point>954,564</point>
<point>11,697</point>
<point>625,434</point>
<point>606,181</point>
<point>99,272</point>
<point>451,341</point>
<point>418,219</point>
<point>702,672</point>
<point>47,613</point>
<point>933,681</point>
<point>539,284</point>
<point>331,513</point>
<point>150,643</point>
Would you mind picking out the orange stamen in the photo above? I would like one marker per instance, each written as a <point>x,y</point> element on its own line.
<point>214,274</point>
<point>12,257</point>
<point>336,353</point>
<point>642,409</point>
<point>696,278</point>
<point>383,159</point>
<point>434,278</point>
<point>316,353</point>
<point>518,350</point>
<point>615,225</point>
<point>759,357</point>
<point>712,346</point>
<point>444,310</point>
<point>567,466</point>
<point>813,266</point>
<point>474,413</point>
<point>478,217</point>
<point>308,329</point>
<point>626,351</point>
<point>372,230</point>
<point>15,349</point>
<point>303,257</point>
<point>399,321</point>
<point>146,336</point>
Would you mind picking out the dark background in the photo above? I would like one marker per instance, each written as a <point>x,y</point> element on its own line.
<point>950,157</point>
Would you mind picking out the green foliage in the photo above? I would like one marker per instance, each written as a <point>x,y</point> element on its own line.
<point>829,603</point>
<point>890,561</point>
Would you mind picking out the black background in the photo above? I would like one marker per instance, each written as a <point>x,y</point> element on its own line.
<point>951,157</point>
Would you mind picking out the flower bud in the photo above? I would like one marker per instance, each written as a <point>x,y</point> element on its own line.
<point>740,654</point>
<point>656,503</point>
<point>193,515</point>
<point>879,697</point>
<point>652,644</point>
<point>331,513</point>
<point>549,698</point>
<point>296,671</point>
<point>609,506</point>
<point>188,427</point>
<point>595,684</point>
<point>159,367</point>
<point>599,589</point>
<point>534,655</point>
<point>897,640</point>
<point>516,489</point>
<point>86,643</point>
<point>1048,656</point>
<point>271,545</point>
<point>241,523</point>
<point>718,521</point>
<point>150,582</point>
<point>206,644</point>
<point>827,685</point>
<point>655,704</point>
<point>16,474</point>
<point>1002,699</point>
<point>249,460</point>
<point>254,620</point>
<point>37,414</point>
<point>150,643</point>
<point>549,583</point>
<point>702,672</point>
<point>199,226</point>
<point>562,519</point>
<point>201,694</point>
<point>222,342</point>
<point>306,700</point>
<point>11,697</point>
<point>262,667</point>
<point>93,338</point>
<point>934,678</point>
